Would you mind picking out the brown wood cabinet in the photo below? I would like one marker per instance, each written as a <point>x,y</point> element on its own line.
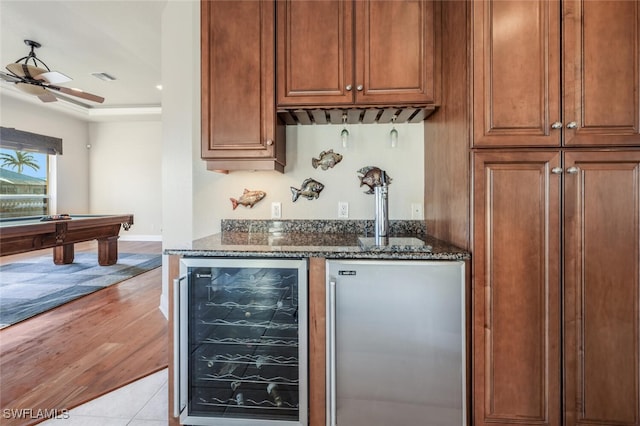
<point>552,216</point>
<point>340,52</point>
<point>517,287</point>
<point>523,50</point>
<point>542,79</point>
<point>240,128</point>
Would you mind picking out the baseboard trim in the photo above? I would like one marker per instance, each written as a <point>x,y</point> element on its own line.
<point>134,237</point>
<point>164,305</point>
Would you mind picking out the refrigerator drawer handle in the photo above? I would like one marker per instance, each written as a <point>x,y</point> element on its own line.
<point>332,352</point>
<point>177,313</point>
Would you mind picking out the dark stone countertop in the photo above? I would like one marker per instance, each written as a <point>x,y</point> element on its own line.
<point>328,239</point>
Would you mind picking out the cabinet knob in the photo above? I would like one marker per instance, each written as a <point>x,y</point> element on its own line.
<point>556,170</point>
<point>572,125</point>
<point>269,142</point>
<point>360,87</point>
<point>348,88</point>
<point>556,125</point>
<point>573,170</point>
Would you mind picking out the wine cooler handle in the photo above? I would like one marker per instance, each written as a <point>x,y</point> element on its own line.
<point>332,352</point>
<point>177,340</point>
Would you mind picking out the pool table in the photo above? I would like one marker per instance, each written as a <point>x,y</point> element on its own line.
<point>23,234</point>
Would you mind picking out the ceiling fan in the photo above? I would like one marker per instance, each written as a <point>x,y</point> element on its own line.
<point>41,82</point>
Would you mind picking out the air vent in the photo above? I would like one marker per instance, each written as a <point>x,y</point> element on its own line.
<point>103,76</point>
<point>403,114</point>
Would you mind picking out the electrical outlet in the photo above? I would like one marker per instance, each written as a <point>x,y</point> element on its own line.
<point>343,209</point>
<point>416,211</point>
<point>276,210</point>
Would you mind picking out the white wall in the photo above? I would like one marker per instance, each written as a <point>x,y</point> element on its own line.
<point>180,128</point>
<point>368,146</point>
<point>125,174</point>
<point>72,182</point>
<point>180,118</point>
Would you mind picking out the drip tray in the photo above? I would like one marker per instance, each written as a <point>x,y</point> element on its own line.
<point>400,244</point>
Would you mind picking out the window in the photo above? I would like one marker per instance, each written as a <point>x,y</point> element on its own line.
<point>24,188</point>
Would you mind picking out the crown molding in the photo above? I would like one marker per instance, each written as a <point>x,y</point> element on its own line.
<point>82,111</point>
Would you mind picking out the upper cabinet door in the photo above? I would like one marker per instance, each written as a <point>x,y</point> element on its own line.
<point>516,73</point>
<point>239,124</point>
<point>601,72</point>
<point>315,52</point>
<point>395,50</point>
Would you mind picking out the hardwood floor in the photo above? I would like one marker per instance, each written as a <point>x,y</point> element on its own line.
<point>86,348</point>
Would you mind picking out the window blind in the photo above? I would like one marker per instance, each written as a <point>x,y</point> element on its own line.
<point>19,140</point>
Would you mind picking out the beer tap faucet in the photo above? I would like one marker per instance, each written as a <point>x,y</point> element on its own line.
<point>381,193</point>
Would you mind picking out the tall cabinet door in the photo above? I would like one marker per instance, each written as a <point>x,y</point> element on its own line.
<point>516,291</point>
<point>601,51</point>
<point>516,73</point>
<point>602,288</point>
<point>315,52</point>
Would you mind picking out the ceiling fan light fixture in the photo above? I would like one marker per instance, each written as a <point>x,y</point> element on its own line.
<point>41,82</point>
<point>103,76</point>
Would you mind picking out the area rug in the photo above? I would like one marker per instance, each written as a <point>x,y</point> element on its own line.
<point>35,285</point>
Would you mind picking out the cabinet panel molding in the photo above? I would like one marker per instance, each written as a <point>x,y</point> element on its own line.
<point>601,50</point>
<point>517,288</point>
<point>602,288</point>
<point>315,58</point>
<point>516,73</point>
<point>238,114</point>
<point>395,51</point>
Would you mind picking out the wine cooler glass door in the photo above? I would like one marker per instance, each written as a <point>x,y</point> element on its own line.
<point>244,356</point>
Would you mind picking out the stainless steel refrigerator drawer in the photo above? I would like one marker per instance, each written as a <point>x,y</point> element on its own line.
<point>396,349</point>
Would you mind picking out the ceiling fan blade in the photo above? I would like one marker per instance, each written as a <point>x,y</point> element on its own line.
<point>47,97</point>
<point>77,92</point>
<point>32,89</point>
<point>53,77</point>
<point>38,91</point>
<point>10,78</point>
<point>24,70</point>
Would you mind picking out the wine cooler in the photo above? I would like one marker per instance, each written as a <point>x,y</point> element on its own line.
<point>241,342</point>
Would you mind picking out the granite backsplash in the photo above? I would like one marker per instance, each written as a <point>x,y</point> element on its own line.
<point>359,227</point>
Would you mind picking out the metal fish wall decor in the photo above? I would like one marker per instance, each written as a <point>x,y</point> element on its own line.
<point>310,189</point>
<point>326,160</point>
<point>248,198</point>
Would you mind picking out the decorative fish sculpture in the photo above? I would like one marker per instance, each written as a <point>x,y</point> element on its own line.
<point>327,159</point>
<point>248,198</point>
<point>310,189</point>
<point>372,177</point>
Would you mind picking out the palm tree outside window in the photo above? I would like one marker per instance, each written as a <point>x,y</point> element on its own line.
<point>23,183</point>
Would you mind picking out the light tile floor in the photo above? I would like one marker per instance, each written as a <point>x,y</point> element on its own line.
<point>142,403</point>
